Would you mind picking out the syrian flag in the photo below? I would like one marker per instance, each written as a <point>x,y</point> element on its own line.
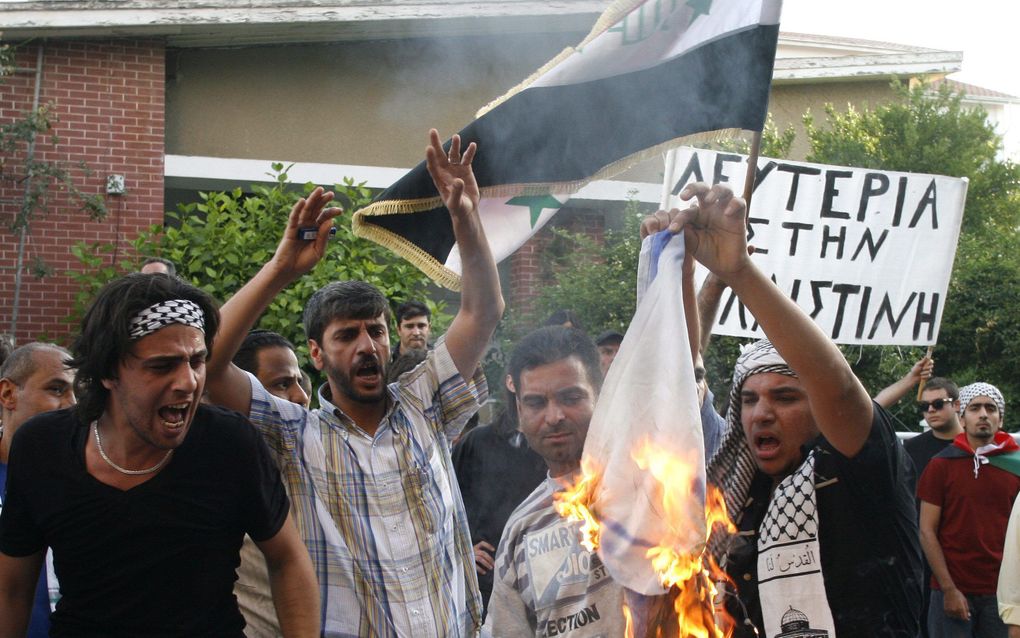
<point>649,76</point>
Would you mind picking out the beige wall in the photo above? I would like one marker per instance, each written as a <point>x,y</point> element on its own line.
<point>789,102</point>
<point>360,103</point>
<point>371,103</point>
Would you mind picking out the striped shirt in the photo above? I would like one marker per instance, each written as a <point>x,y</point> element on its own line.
<point>382,516</point>
<point>546,583</point>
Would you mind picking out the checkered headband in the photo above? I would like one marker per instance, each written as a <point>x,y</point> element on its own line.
<point>732,468</point>
<point>162,314</point>
<point>970,392</point>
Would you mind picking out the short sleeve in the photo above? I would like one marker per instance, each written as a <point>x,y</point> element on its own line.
<point>931,486</point>
<point>712,425</point>
<point>19,534</point>
<point>439,384</point>
<point>880,466</point>
<point>507,610</point>
<point>279,422</point>
<point>264,495</point>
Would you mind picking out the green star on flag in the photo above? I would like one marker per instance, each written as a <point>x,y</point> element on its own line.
<point>537,203</point>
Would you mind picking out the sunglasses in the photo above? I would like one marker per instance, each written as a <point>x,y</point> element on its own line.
<point>937,404</point>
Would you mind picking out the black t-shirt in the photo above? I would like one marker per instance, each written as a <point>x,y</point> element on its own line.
<point>495,476</point>
<point>158,559</point>
<point>922,449</point>
<point>868,538</point>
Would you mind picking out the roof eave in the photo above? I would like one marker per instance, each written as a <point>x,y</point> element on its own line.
<point>866,67</point>
<point>236,26</point>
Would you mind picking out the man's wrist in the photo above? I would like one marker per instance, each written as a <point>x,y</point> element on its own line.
<point>273,277</point>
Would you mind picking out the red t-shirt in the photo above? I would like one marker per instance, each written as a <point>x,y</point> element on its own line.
<point>972,527</point>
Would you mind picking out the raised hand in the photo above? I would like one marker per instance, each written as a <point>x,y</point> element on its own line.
<point>713,226</point>
<point>298,256</point>
<point>452,174</point>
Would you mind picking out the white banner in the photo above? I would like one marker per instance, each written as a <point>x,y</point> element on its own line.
<point>866,253</point>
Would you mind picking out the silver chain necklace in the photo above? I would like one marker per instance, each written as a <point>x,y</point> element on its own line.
<point>109,461</point>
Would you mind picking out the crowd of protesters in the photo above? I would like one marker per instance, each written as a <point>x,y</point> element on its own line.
<point>168,475</point>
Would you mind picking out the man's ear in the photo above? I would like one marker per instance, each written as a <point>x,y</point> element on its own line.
<point>509,381</point>
<point>315,352</point>
<point>8,394</point>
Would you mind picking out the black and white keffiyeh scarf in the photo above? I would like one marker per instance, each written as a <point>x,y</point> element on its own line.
<point>789,556</point>
<point>733,467</point>
<point>162,314</point>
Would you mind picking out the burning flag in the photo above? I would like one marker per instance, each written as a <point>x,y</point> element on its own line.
<point>642,494</point>
<point>650,74</point>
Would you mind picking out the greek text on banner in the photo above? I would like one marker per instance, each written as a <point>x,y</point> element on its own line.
<point>866,253</point>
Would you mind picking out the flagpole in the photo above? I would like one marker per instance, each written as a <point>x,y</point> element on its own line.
<point>752,170</point>
<point>667,180</point>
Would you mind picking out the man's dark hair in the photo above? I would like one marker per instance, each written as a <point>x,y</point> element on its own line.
<point>247,357</point>
<point>410,309</point>
<point>343,300</point>
<point>104,340</point>
<point>609,337</point>
<point>21,363</point>
<point>561,317</point>
<point>408,360</point>
<point>505,422</point>
<point>942,383</point>
<point>171,268</point>
<point>553,343</point>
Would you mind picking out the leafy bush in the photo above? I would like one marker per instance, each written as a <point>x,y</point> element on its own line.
<point>220,242</point>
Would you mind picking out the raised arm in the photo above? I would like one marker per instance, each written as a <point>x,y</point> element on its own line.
<point>226,383</point>
<point>481,302</point>
<point>691,314</point>
<point>893,393</point>
<point>709,298</point>
<point>714,227</point>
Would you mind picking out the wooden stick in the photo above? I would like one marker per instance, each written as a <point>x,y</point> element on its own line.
<point>920,386</point>
<point>752,170</point>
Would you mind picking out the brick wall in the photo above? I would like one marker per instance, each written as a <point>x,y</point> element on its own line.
<point>109,98</point>
<point>526,275</point>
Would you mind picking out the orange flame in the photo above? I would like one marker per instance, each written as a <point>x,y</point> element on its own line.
<point>690,578</point>
<point>573,504</point>
<point>683,573</point>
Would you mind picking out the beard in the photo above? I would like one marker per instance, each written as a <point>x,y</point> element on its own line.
<point>983,435</point>
<point>343,380</point>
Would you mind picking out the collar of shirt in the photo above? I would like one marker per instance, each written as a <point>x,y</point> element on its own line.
<point>335,418</point>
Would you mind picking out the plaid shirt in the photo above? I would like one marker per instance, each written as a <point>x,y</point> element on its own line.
<point>382,516</point>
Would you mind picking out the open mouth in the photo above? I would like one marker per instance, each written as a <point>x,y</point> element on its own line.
<point>766,444</point>
<point>173,416</point>
<point>369,369</point>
